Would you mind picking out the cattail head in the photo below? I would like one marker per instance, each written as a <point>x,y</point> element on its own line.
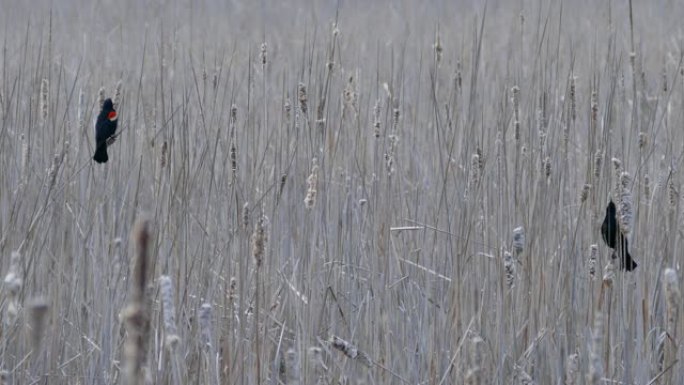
<point>643,141</point>
<point>672,297</point>
<point>609,271</point>
<point>672,191</point>
<point>458,77</point>
<point>474,374</point>
<point>312,185</point>
<point>303,98</point>
<point>474,178</point>
<point>316,359</point>
<point>166,288</point>
<point>625,212</point>
<point>584,194</point>
<point>260,239</point>
<point>594,109</point>
<point>164,154</point>
<point>647,187</point>
<point>546,165</point>
<point>44,101</point>
<point>351,351</point>
<point>509,269</point>
<point>573,98</point>
<point>591,262</point>
<point>518,240</point>
<point>205,324</point>
<point>438,47</point>
<point>101,97</point>
<point>287,107</point>
<point>598,162</point>
<point>116,99</point>
<point>38,310</point>
<point>571,369</point>
<point>515,97</point>
<point>291,367</point>
<point>263,53</point>
<point>14,278</point>
<point>245,216</point>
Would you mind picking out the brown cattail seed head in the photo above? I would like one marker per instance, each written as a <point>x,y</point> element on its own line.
<point>312,185</point>
<point>38,310</point>
<point>116,99</point>
<point>584,194</point>
<point>14,278</point>
<point>515,92</point>
<point>101,97</point>
<point>672,294</point>
<point>303,98</point>
<point>547,167</point>
<point>672,192</point>
<point>205,312</point>
<point>510,269</point>
<point>166,288</point>
<point>44,102</point>
<point>350,351</point>
<point>518,240</point>
<point>643,141</point>
<point>263,53</point>
<point>625,212</point>
<point>591,263</point>
<point>260,239</point>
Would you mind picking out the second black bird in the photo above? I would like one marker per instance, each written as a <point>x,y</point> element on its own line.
<point>105,127</point>
<point>615,239</point>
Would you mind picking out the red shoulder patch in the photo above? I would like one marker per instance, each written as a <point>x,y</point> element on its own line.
<point>111,115</point>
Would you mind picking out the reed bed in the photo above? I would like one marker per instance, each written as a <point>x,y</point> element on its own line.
<point>341,193</point>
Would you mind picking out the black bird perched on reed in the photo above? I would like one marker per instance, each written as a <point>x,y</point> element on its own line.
<point>105,127</point>
<point>615,239</point>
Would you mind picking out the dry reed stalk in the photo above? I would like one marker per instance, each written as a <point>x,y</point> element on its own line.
<point>135,314</point>
<point>595,373</point>
<point>571,369</point>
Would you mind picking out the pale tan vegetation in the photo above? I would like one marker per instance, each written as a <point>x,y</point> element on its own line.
<point>369,192</point>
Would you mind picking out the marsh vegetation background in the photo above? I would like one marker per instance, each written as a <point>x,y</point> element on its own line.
<point>376,192</point>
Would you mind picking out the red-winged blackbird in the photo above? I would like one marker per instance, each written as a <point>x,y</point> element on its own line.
<point>610,229</point>
<point>104,129</point>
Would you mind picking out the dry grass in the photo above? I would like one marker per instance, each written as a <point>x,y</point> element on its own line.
<point>384,193</point>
